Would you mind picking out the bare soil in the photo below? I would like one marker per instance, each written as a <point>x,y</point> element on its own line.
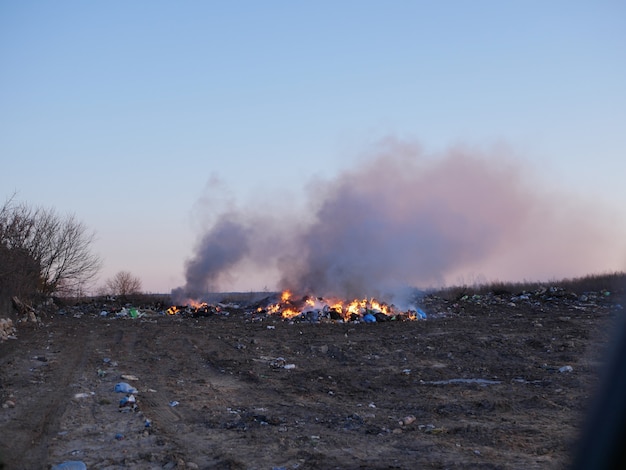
<point>476,385</point>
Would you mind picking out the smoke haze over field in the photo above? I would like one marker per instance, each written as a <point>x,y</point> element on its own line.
<point>401,218</point>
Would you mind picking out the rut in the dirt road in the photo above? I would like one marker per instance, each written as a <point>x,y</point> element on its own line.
<point>44,390</point>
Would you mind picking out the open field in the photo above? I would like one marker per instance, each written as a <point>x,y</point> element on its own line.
<point>482,383</point>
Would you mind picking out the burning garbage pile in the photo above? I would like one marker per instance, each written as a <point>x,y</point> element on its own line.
<point>318,309</point>
<point>196,309</point>
<point>306,309</point>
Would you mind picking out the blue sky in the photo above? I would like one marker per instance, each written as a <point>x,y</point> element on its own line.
<point>123,112</point>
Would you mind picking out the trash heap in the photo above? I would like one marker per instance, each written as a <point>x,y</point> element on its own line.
<point>543,296</point>
<point>319,310</point>
<point>196,310</point>
<point>310,309</point>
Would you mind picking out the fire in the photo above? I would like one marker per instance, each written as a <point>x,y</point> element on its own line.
<point>317,307</point>
<point>195,304</point>
<point>289,313</point>
<point>193,307</point>
<point>310,308</point>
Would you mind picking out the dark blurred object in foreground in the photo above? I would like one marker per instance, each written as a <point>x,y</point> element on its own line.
<point>602,445</point>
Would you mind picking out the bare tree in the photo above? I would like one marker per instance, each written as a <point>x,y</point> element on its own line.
<point>123,284</point>
<point>60,247</point>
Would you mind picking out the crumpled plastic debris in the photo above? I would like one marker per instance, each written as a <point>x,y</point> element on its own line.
<point>70,465</point>
<point>369,318</point>
<point>123,387</point>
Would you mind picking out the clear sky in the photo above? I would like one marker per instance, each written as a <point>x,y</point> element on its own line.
<point>127,113</point>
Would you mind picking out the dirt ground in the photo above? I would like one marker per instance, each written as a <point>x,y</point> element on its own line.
<point>481,383</point>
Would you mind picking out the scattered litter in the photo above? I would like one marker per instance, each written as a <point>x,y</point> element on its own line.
<point>566,369</point>
<point>281,363</point>
<point>70,465</point>
<point>431,429</point>
<point>78,396</point>
<point>122,313</point>
<point>106,360</point>
<point>128,403</point>
<point>119,436</point>
<point>522,380</point>
<point>174,403</point>
<point>407,420</point>
<point>278,363</point>
<point>101,373</point>
<point>123,387</point>
<point>129,377</point>
<point>7,330</point>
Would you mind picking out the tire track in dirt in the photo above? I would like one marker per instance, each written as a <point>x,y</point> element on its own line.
<point>41,410</point>
<point>95,429</point>
<point>182,424</point>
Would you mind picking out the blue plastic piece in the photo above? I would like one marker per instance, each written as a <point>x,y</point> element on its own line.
<point>123,387</point>
<point>369,318</point>
<point>70,465</point>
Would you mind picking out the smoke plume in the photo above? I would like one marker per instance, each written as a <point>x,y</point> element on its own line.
<point>402,218</point>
